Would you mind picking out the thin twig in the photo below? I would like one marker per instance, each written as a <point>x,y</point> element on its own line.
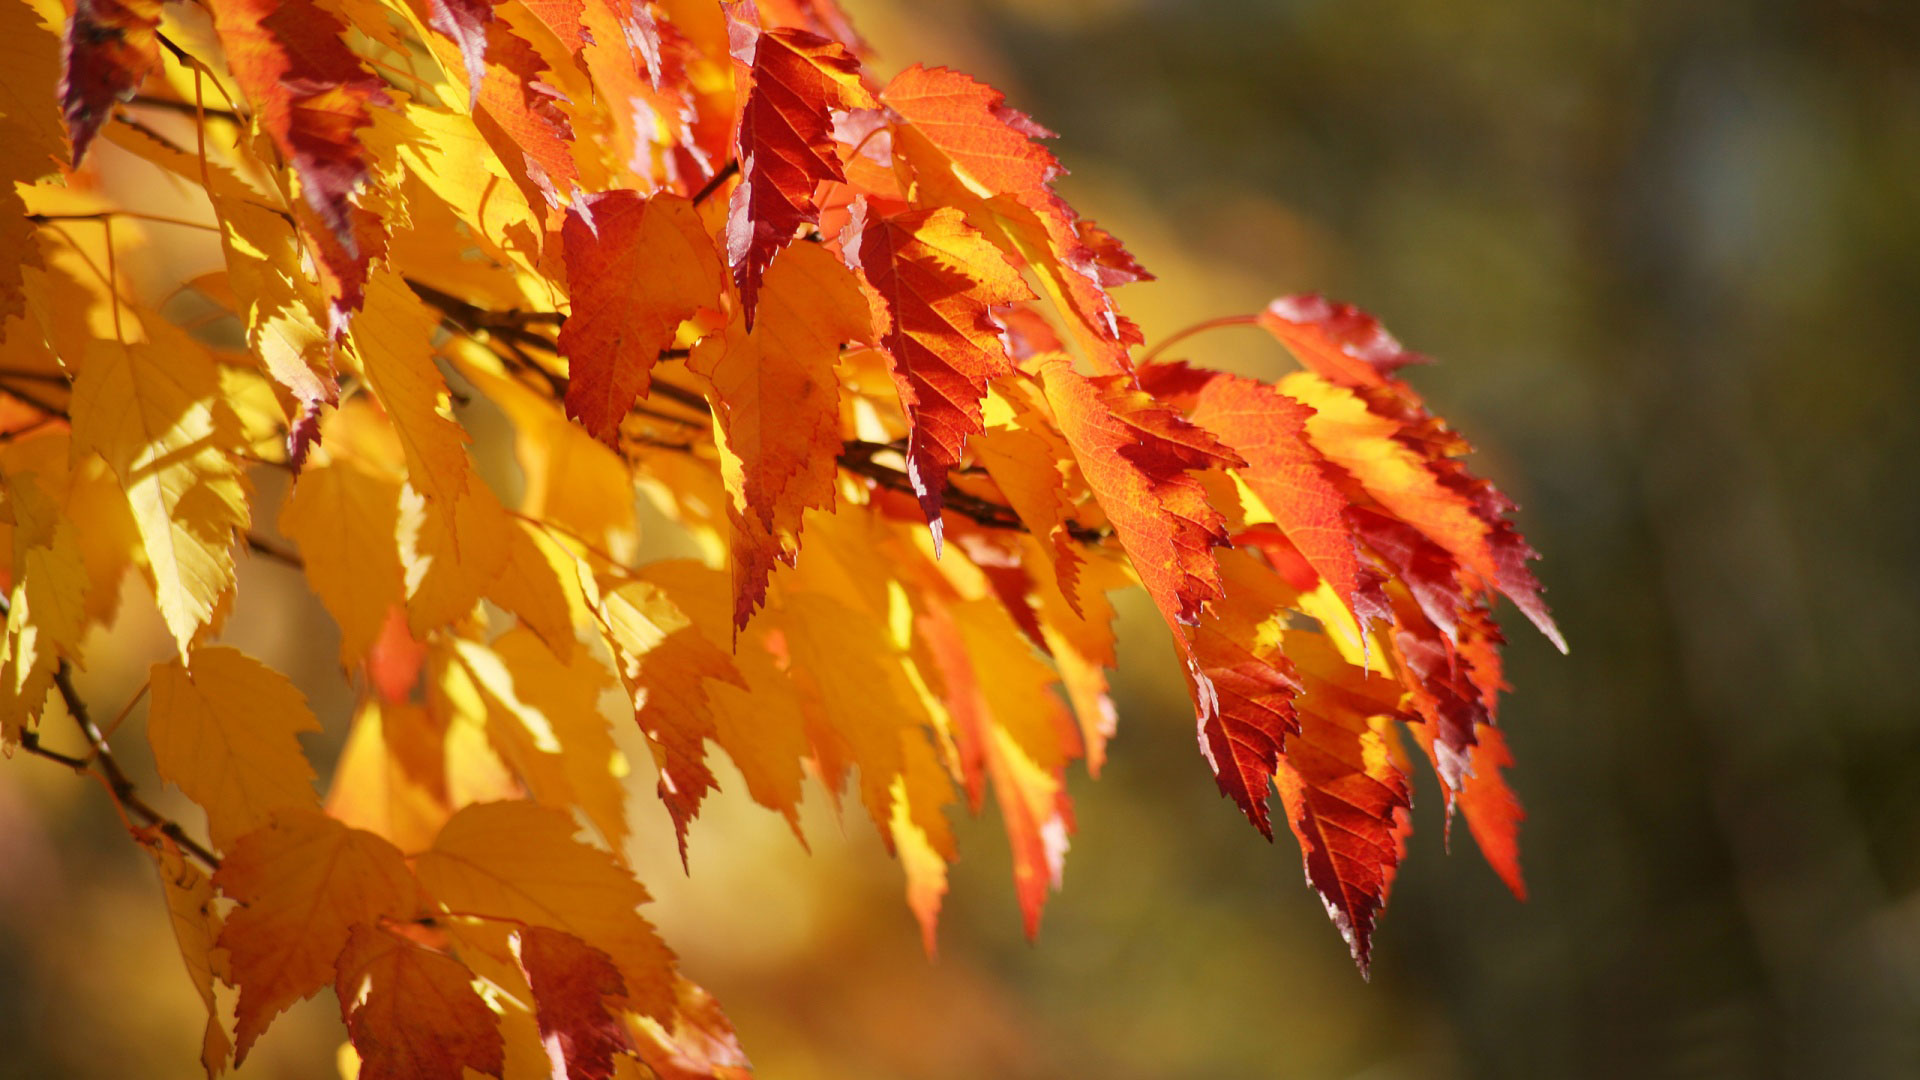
<point>727,172</point>
<point>274,550</point>
<point>122,789</point>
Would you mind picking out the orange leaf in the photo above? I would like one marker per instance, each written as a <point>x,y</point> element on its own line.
<point>518,862</point>
<point>776,409</point>
<point>304,882</point>
<point>1136,455</point>
<point>224,731</point>
<point>1295,483</point>
<point>637,267</point>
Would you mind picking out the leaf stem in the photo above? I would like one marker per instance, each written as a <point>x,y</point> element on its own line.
<point>1199,327</point>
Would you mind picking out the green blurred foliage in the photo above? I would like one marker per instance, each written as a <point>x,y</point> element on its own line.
<point>1670,257</point>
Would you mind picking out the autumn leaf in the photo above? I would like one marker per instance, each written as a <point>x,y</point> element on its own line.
<point>933,282</point>
<point>412,1012</point>
<point>312,96</point>
<point>223,728</point>
<point>776,407</point>
<point>638,267</point>
<point>520,862</point>
<point>304,882</point>
<point>793,80</point>
<point>196,925</point>
<point>578,996</point>
<point>475,318</point>
<point>110,49</point>
<point>159,419</point>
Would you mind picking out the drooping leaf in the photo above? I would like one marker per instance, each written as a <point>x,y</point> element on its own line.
<point>578,999</point>
<point>520,862</point>
<point>157,416</point>
<point>776,407</point>
<point>792,81</point>
<point>110,49</point>
<point>933,282</point>
<point>412,1012</point>
<point>637,266</point>
<point>312,96</point>
<point>196,925</point>
<point>223,729</point>
<point>304,882</point>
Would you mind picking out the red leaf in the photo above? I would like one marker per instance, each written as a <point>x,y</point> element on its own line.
<point>578,998</point>
<point>784,138</point>
<point>1136,454</point>
<point>933,282</point>
<point>1339,341</point>
<point>1347,799</point>
<point>110,50</point>
<point>413,1013</point>
<point>1253,684</point>
<point>312,95</point>
<point>637,267</point>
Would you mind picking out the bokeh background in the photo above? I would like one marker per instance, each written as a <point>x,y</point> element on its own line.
<point>1669,255</point>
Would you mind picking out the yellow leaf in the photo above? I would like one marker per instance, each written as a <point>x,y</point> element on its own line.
<point>372,790</point>
<point>344,518</point>
<point>155,415</point>
<point>223,730</point>
<point>518,861</point>
<point>190,906</point>
<point>545,721</point>
<point>393,339</point>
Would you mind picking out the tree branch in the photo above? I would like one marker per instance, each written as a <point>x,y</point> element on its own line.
<point>514,331</point>
<point>118,785</point>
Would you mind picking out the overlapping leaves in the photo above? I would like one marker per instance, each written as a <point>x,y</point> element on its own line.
<point>844,334</point>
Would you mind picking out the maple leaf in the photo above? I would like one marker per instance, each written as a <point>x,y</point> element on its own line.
<point>638,267</point>
<point>792,80</point>
<point>411,1012</point>
<point>933,283</point>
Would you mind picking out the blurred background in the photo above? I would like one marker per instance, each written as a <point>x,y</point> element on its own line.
<point>1669,257</point>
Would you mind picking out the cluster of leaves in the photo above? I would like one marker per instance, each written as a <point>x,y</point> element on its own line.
<point>694,251</point>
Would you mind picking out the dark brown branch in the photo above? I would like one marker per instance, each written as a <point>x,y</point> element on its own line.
<point>147,101</point>
<point>514,334</point>
<point>275,550</point>
<point>121,787</point>
<point>727,172</point>
<point>33,399</point>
